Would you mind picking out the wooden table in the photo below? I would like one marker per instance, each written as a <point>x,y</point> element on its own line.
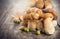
<point>9,30</point>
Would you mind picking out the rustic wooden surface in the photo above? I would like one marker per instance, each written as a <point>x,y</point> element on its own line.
<point>9,30</point>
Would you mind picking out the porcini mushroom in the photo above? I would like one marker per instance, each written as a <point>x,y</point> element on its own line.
<point>48,25</point>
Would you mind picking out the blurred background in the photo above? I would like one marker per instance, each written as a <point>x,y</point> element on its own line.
<point>10,31</point>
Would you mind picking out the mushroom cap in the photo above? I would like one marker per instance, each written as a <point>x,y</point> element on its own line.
<point>40,4</point>
<point>35,15</point>
<point>48,15</point>
<point>51,11</point>
<point>55,14</point>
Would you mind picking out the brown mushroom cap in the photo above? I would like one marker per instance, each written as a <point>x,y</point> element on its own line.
<point>48,15</point>
<point>51,11</point>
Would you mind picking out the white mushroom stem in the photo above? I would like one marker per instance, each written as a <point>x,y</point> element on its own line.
<point>48,26</point>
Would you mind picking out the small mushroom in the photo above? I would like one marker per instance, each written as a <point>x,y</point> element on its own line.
<point>40,4</point>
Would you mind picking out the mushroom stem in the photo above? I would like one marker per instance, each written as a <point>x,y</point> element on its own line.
<point>48,26</point>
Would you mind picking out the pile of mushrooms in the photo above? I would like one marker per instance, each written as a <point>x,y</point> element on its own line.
<point>39,19</point>
<point>40,16</point>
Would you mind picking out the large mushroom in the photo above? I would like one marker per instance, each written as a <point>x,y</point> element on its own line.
<point>48,25</point>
